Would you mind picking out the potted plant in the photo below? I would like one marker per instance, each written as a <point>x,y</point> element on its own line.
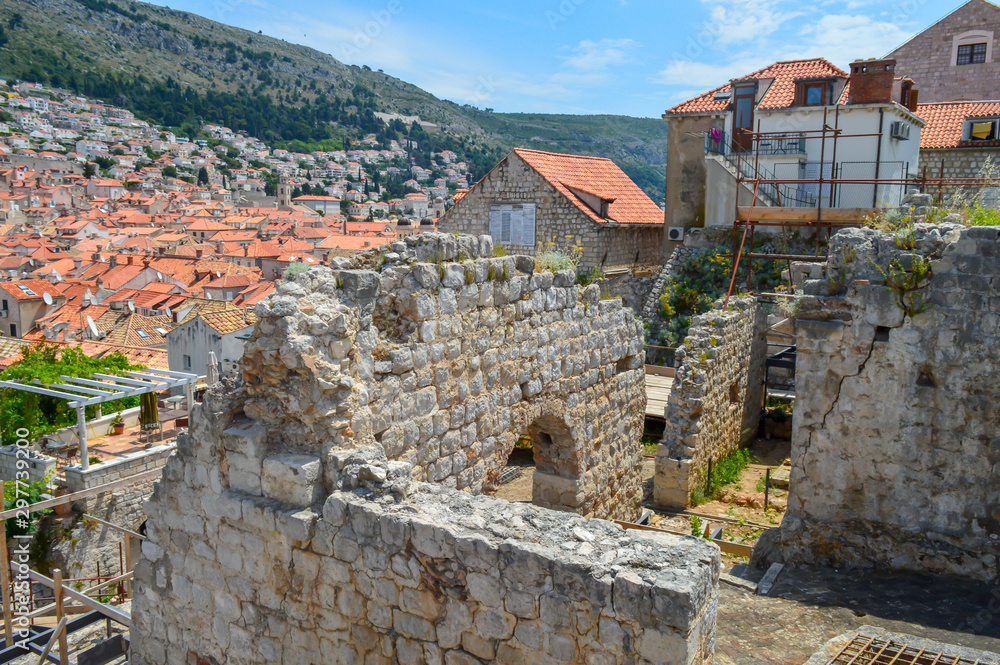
<point>117,424</point>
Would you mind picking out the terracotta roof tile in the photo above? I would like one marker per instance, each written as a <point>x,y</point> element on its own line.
<point>781,93</point>
<point>598,176</point>
<point>945,121</point>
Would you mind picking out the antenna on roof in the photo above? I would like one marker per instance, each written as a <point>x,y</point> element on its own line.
<point>93,327</point>
<point>208,295</point>
<point>131,306</point>
<point>47,298</point>
<point>170,314</point>
<point>159,276</point>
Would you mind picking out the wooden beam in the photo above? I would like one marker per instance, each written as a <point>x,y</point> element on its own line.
<point>830,215</point>
<point>110,612</point>
<point>736,549</point>
<point>60,590</point>
<point>85,494</point>
<point>121,529</point>
<point>59,630</point>
<point>8,631</point>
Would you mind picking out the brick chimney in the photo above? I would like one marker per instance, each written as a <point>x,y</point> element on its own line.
<point>872,81</point>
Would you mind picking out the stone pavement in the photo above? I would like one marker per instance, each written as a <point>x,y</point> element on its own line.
<point>810,606</point>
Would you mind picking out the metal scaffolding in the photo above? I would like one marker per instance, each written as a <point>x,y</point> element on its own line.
<point>769,192</point>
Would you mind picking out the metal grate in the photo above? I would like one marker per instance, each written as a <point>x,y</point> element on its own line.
<point>873,651</point>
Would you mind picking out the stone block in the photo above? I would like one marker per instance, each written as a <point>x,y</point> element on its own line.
<point>292,478</point>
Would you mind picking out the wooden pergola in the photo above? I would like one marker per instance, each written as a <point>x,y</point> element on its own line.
<point>103,388</point>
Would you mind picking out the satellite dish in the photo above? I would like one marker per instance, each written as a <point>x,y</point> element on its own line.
<point>218,274</point>
<point>168,313</point>
<point>159,276</point>
<point>208,295</point>
<point>131,306</point>
<point>47,298</point>
<point>93,327</point>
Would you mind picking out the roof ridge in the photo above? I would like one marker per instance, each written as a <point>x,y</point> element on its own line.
<point>562,154</point>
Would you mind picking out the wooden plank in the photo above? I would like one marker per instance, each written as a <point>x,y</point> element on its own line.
<point>85,494</point>
<point>832,215</point>
<point>656,370</point>
<point>110,612</point>
<point>59,630</point>
<point>8,630</point>
<point>120,529</point>
<point>60,591</point>
<point>736,549</point>
<point>657,393</point>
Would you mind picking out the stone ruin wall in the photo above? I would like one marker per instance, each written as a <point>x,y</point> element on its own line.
<point>715,403</point>
<point>77,546</point>
<point>447,364</point>
<point>283,533</point>
<point>895,448</point>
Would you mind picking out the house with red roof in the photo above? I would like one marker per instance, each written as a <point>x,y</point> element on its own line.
<point>788,103</point>
<point>533,198</point>
<point>25,301</point>
<point>959,139</point>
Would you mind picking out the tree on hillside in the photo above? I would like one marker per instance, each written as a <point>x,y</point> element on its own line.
<point>89,170</point>
<point>202,176</point>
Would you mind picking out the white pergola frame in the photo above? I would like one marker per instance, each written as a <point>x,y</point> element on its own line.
<point>108,388</point>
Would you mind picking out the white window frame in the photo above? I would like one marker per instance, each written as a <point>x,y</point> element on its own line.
<point>514,224</point>
<point>972,37</point>
<point>967,127</point>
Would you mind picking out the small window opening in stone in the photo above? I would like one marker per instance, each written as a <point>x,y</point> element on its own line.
<point>734,393</point>
<point>882,334</point>
<point>926,379</point>
<point>515,481</point>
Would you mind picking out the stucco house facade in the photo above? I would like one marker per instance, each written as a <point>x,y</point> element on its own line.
<point>871,107</point>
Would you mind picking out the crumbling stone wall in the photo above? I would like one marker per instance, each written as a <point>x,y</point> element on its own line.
<point>283,531</point>
<point>446,358</point>
<point>77,546</point>
<point>894,450</point>
<point>400,572</point>
<point>715,402</point>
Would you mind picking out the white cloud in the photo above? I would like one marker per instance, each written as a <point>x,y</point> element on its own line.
<point>598,56</point>
<point>853,36</point>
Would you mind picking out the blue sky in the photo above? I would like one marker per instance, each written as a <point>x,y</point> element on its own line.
<point>631,57</point>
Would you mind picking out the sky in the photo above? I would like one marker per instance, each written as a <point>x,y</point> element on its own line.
<point>625,57</point>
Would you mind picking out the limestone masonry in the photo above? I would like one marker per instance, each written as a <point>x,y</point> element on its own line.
<point>894,450</point>
<point>292,525</point>
<point>715,403</point>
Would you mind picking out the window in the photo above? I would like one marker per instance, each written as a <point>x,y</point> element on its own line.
<point>513,224</point>
<point>187,362</point>
<point>13,330</point>
<point>815,93</point>
<point>971,54</point>
<point>744,100</point>
<point>5,305</point>
<point>141,333</point>
<point>980,130</point>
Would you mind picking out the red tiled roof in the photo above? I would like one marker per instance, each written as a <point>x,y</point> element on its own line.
<point>945,121</point>
<point>780,94</point>
<point>598,176</point>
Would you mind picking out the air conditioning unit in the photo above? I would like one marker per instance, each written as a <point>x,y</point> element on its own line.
<point>900,130</point>
<point>675,233</point>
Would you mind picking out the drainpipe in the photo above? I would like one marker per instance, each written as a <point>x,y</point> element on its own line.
<point>878,157</point>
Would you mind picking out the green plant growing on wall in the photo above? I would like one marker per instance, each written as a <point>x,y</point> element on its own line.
<point>904,284</point>
<point>696,528</point>
<point>470,276</point>
<point>33,493</point>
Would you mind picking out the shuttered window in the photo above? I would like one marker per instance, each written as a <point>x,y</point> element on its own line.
<point>513,224</point>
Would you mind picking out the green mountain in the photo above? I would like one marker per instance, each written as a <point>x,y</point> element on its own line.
<point>182,70</point>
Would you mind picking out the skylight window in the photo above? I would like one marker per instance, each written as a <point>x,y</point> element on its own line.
<point>723,95</point>
<point>27,291</point>
<point>162,331</point>
<point>141,333</point>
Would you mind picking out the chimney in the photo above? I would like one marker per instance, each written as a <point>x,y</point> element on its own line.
<point>872,81</point>
<point>77,263</point>
<point>199,252</point>
<point>113,260</point>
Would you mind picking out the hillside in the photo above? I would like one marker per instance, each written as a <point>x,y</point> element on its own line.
<point>179,69</point>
